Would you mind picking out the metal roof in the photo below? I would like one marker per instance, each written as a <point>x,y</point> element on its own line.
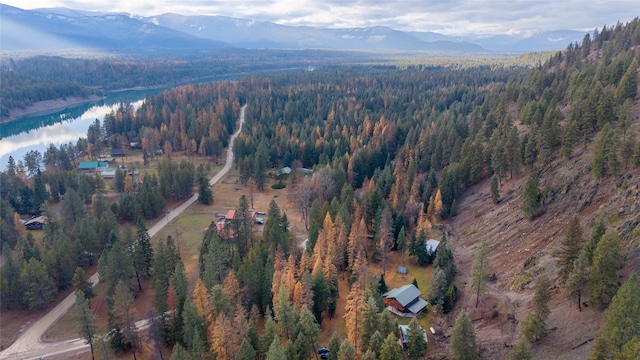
<point>417,305</point>
<point>432,245</point>
<point>404,294</point>
<point>405,333</point>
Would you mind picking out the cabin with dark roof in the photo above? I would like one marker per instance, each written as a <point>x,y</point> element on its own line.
<point>117,152</point>
<point>36,223</point>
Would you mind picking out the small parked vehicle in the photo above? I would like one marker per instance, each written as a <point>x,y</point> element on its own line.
<point>323,351</point>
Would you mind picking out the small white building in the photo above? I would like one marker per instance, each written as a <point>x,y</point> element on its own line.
<point>432,246</point>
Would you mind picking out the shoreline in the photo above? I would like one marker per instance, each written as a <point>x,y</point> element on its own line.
<point>47,107</point>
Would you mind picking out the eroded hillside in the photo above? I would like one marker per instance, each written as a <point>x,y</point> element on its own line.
<point>521,250</point>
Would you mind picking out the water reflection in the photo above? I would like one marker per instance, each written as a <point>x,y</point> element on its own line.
<point>37,132</point>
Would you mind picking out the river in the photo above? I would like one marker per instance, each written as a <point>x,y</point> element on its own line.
<point>37,132</point>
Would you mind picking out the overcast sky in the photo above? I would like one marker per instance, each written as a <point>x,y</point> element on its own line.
<point>443,16</point>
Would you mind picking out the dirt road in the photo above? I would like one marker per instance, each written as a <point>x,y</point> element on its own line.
<point>30,345</point>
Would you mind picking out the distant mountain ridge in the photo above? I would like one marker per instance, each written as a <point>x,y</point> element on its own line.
<point>63,28</point>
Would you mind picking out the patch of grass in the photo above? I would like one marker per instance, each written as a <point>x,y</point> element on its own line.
<point>278,186</point>
<point>63,329</point>
<point>519,282</point>
<point>530,262</point>
<point>187,231</point>
<point>613,218</point>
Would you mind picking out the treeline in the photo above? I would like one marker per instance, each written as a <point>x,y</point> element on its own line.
<point>20,90</point>
<point>122,71</point>
<point>195,119</point>
<point>36,270</point>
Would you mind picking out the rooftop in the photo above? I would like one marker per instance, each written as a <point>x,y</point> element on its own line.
<point>404,294</point>
<point>432,245</point>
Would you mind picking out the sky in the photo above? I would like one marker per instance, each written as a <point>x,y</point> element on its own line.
<point>449,17</point>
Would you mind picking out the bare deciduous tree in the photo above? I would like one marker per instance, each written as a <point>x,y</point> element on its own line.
<point>324,184</point>
<point>302,197</point>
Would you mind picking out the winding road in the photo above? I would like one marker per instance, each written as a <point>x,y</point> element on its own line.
<point>30,345</point>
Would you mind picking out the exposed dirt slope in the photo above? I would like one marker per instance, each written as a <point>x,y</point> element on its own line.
<point>520,250</point>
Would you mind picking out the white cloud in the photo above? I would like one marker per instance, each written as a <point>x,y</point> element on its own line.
<point>445,16</point>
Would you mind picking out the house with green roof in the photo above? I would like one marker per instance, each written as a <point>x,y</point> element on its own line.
<point>93,165</point>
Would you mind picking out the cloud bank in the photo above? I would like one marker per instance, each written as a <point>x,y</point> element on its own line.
<point>448,17</point>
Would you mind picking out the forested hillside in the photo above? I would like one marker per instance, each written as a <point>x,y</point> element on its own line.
<point>20,90</point>
<point>394,151</point>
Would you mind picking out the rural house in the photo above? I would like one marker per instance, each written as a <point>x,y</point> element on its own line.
<point>36,223</point>
<point>93,165</point>
<point>117,152</point>
<point>404,301</point>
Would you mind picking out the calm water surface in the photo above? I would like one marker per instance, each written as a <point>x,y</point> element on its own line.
<point>37,132</point>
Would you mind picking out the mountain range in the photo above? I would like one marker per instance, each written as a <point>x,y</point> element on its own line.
<point>63,28</point>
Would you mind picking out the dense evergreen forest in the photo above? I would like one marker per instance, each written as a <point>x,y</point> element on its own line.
<point>30,79</point>
<point>392,150</point>
<point>19,90</point>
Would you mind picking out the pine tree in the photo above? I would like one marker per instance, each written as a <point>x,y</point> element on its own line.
<point>143,247</point>
<point>115,265</point>
<point>81,283</point>
<point>463,339</point>
<point>368,320</point>
<point>534,325</point>
<point>605,160</point>
<point>495,192</point>
<point>520,351</point>
<point>391,350</point>
<point>310,330</point>
<point>334,346</point>
<point>179,353</point>
<point>38,287</point>
<point>161,276</point>
<point>276,352</point>
<point>603,280</point>
<point>621,322</point>
<point>375,343</point>
<point>479,270</point>
<point>205,195</point>
<point>193,329</point>
<point>630,350</point>
<point>531,197</point>
<point>369,355</point>
<point>417,343</point>
<point>628,86</point>
<point>285,313</point>
<point>85,320</point>
<point>599,228</point>
<point>246,351</point>
<point>346,351</point>
<point>577,281</point>
<point>570,248</point>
